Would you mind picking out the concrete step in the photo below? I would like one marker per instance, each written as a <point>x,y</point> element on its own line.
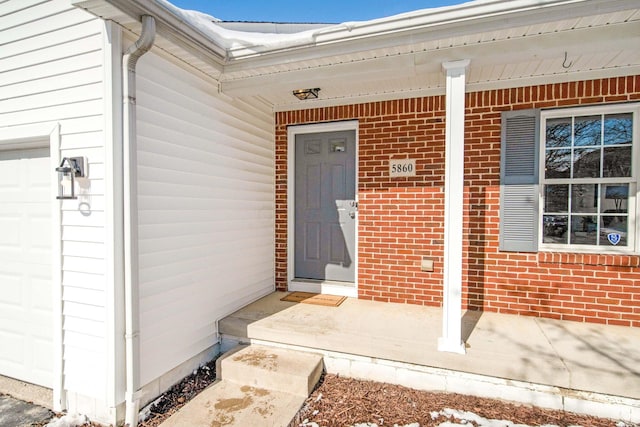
<point>233,405</point>
<point>256,386</point>
<point>272,368</point>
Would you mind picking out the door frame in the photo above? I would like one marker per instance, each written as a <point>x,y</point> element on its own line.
<point>293,284</point>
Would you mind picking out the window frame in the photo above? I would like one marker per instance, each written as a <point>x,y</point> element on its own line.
<point>633,225</point>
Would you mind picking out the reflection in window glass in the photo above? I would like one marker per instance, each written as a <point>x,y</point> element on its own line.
<point>618,129</point>
<point>555,229</point>
<point>584,230</point>
<point>584,198</point>
<point>586,163</point>
<point>558,132</point>
<point>587,131</point>
<point>338,146</point>
<point>556,198</point>
<point>616,162</point>
<point>557,163</point>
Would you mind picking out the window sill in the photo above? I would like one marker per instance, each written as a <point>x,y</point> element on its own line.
<point>589,259</point>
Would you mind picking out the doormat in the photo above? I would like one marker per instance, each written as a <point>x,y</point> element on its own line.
<point>317,299</point>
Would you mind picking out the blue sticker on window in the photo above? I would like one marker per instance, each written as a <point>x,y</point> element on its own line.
<point>614,238</point>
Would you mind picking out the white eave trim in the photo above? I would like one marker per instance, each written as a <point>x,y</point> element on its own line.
<point>431,24</point>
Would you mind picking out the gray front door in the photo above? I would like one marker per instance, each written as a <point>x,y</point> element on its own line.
<point>325,206</point>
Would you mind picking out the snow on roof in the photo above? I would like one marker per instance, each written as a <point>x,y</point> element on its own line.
<point>234,39</point>
<point>230,39</point>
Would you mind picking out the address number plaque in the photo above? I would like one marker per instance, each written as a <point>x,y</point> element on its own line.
<point>402,167</point>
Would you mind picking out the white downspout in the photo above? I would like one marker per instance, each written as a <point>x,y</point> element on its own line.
<point>130,201</point>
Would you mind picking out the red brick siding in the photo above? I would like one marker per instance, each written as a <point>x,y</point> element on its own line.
<point>401,219</point>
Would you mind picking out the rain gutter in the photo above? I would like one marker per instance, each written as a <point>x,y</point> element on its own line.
<point>430,24</point>
<point>412,27</point>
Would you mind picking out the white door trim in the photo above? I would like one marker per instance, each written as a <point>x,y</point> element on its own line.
<point>33,136</point>
<point>334,288</point>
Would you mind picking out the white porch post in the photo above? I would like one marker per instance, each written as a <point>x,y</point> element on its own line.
<point>451,339</point>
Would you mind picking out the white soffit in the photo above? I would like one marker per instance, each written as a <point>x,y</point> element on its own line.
<point>522,56</point>
<point>508,42</point>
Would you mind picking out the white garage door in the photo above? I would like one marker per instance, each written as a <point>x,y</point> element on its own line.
<point>26,331</point>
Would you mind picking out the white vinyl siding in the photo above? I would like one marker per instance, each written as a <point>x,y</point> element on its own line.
<point>51,71</point>
<point>206,210</point>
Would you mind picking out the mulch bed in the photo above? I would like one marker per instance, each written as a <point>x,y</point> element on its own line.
<point>339,402</point>
<point>179,394</point>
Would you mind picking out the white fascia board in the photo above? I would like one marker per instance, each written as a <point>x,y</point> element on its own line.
<point>424,25</point>
<point>427,24</point>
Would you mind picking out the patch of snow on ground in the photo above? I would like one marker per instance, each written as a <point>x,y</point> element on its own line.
<point>146,411</point>
<point>71,420</point>
<point>463,418</point>
<point>395,425</point>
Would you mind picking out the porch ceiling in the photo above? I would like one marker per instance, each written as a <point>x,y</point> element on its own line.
<point>506,58</point>
<point>397,57</point>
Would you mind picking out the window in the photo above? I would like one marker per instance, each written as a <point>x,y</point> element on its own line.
<point>569,179</point>
<point>587,178</point>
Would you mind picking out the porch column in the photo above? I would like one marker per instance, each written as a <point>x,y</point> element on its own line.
<point>451,339</point>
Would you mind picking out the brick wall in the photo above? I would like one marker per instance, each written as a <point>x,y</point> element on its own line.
<point>401,219</point>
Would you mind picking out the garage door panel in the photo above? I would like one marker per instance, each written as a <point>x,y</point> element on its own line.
<point>26,294</point>
<point>40,233</point>
<point>41,297</point>
<point>10,290</point>
<point>42,362</point>
<point>12,349</point>
<point>10,236</point>
<point>9,174</point>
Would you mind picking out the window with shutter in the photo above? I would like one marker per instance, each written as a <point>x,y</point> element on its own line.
<point>568,179</point>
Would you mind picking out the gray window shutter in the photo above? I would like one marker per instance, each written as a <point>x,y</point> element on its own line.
<point>519,193</point>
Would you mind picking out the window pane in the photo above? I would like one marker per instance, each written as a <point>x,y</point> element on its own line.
<point>558,133</point>
<point>312,147</point>
<point>584,198</point>
<point>556,198</point>
<point>618,129</point>
<point>555,229</point>
<point>557,164</point>
<point>613,231</point>
<point>617,161</point>
<point>584,230</point>
<point>614,198</point>
<point>586,163</point>
<point>587,131</point>
<point>338,147</point>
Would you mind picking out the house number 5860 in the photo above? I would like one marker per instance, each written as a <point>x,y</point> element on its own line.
<point>402,167</point>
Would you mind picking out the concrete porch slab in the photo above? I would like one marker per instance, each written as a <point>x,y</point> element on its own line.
<point>568,355</point>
